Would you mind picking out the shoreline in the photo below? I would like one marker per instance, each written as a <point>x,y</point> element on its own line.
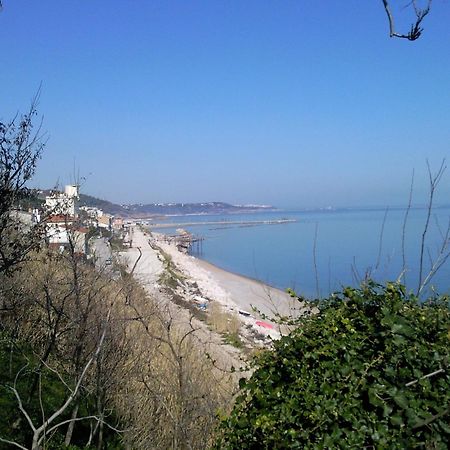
<point>260,289</point>
<point>255,303</point>
<point>174,276</point>
<point>237,274</point>
<point>158,226</point>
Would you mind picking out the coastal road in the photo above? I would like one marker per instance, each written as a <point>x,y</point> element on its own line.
<point>102,252</point>
<point>147,266</point>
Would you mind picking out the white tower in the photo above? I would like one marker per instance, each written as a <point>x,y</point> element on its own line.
<point>71,191</point>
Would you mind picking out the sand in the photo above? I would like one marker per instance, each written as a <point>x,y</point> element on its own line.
<point>149,266</point>
<point>247,293</point>
<point>245,297</point>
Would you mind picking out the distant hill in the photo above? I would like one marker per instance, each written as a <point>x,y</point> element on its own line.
<point>162,209</point>
<point>140,210</point>
<point>105,205</point>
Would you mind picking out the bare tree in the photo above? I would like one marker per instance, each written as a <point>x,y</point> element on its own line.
<point>57,306</point>
<point>416,27</point>
<point>169,373</point>
<point>20,148</point>
<point>443,252</point>
<point>48,425</point>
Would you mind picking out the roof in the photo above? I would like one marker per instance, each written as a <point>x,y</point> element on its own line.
<point>60,218</point>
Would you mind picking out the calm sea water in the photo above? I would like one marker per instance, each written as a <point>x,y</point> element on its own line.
<point>347,247</point>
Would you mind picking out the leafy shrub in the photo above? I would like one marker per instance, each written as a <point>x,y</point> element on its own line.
<point>371,370</point>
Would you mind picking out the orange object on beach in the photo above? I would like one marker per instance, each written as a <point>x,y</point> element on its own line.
<point>264,324</point>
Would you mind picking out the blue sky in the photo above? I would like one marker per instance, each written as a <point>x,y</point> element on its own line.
<point>292,103</point>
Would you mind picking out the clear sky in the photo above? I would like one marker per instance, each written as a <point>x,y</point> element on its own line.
<point>292,103</point>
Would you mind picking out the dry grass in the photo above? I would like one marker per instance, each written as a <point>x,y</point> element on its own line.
<point>156,374</point>
<point>171,388</point>
<point>221,321</point>
<point>226,324</point>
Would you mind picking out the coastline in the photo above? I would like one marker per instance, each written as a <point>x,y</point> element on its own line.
<point>233,291</point>
<point>249,292</point>
<point>204,286</point>
<point>158,226</point>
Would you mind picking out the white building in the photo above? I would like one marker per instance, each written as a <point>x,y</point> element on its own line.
<point>92,212</point>
<point>62,233</point>
<point>65,203</point>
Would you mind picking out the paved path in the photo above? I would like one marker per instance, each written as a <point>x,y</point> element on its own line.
<point>148,267</point>
<point>102,251</point>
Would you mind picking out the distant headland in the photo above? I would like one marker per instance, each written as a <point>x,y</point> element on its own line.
<point>141,211</point>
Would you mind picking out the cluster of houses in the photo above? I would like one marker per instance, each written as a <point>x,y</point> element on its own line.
<point>67,224</point>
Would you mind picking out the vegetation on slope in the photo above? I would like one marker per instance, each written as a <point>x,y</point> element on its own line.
<point>370,371</point>
<point>131,371</point>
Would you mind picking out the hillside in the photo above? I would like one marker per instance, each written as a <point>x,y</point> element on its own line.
<point>105,205</point>
<point>139,210</point>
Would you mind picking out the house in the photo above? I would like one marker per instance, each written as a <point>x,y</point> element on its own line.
<point>117,223</point>
<point>104,221</point>
<point>92,212</point>
<point>65,203</point>
<point>64,233</point>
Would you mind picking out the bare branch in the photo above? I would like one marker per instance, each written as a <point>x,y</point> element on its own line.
<point>428,375</point>
<point>405,220</point>
<point>355,274</point>
<point>13,443</point>
<point>137,260</point>
<point>416,29</point>
<point>41,404</point>
<point>57,374</point>
<point>380,242</point>
<point>19,399</point>
<point>433,181</point>
<point>441,259</point>
<point>316,272</point>
<point>78,419</point>
<point>22,409</point>
<point>42,429</point>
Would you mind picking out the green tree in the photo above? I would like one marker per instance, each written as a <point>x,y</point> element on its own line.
<point>371,370</point>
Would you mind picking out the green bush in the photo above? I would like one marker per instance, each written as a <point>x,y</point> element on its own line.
<point>371,370</point>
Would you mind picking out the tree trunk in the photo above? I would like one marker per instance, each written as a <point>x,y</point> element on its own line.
<point>100,436</point>
<point>71,425</point>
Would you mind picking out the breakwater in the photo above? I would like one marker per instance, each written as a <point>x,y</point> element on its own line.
<point>246,223</point>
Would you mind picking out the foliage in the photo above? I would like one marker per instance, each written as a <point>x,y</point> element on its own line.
<point>52,322</point>
<point>371,370</point>
<point>116,243</point>
<point>17,357</point>
<point>151,356</point>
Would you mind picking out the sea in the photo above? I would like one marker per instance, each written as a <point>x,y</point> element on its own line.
<point>321,252</point>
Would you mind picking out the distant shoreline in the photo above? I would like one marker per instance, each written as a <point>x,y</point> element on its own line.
<point>331,210</point>
<point>154,226</point>
<point>233,291</point>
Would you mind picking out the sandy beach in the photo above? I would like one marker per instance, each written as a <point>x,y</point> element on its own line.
<point>253,302</point>
<point>248,294</point>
